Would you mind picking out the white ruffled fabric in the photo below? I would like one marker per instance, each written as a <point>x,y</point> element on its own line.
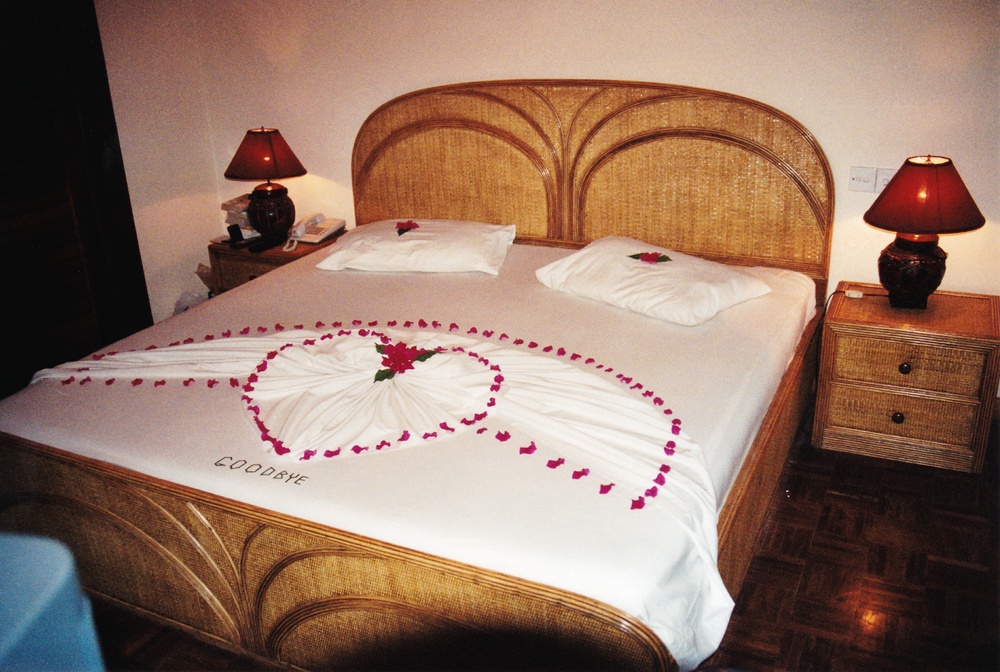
<point>313,395</point>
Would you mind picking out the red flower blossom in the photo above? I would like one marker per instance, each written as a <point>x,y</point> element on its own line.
<point>403,227</point>
<point>650,257</point>
<point>399,358</point>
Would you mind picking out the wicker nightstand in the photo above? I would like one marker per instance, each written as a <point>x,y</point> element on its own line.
<point>233,267</point>
<point>917,386</point>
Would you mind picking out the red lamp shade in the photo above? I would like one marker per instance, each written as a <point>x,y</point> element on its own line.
<point>925,198</point>
<point>926,195</point>
<point>264,155</point>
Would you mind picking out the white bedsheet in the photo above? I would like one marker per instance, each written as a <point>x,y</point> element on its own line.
<point>656,562</point>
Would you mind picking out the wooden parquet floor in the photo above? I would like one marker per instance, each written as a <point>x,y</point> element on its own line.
<point>868,564</point>
<point>863,565</point>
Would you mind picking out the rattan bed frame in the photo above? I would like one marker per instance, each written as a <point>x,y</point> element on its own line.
<point>567,161</point>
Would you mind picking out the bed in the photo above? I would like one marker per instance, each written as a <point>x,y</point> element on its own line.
<point>495,538</point>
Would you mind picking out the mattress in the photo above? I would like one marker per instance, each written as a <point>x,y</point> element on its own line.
<point>484,501</point>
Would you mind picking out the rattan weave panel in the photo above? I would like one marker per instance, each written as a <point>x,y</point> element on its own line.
<point>950,370</point>
<point>569,161</point>
<point>294,592</point>
<point>923,418</point>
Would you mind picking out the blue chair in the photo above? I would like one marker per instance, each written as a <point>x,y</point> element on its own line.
<point>45,619</point>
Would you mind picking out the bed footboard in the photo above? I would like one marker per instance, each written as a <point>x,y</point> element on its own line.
<point>299,593</point>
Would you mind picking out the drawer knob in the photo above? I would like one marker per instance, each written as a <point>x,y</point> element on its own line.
<point>905,368</point>
<point>898,418</point>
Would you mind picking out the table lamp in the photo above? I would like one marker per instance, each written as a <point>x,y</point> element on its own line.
<point>264,155</point>
<point>926,197</point>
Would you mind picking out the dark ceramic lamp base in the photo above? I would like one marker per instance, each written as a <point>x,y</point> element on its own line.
<point>911,270</point>
<point>271,212</point>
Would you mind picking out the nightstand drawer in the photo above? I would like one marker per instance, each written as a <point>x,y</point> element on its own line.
<point>901,415</point>
<point>920,367</point>
<point>236,272</point>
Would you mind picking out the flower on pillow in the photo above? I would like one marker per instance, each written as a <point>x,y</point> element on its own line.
<point>404,227</point>
<point>428,246</point>
<point>650,257</point>
<point>687,291</point>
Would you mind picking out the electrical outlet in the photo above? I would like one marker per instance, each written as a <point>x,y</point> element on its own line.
<point>882,177</point>
<point>862,179</point>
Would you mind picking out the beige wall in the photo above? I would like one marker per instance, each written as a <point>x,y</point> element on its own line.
<point>875,81</point>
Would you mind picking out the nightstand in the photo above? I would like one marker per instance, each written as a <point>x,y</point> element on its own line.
<point>917,386</point>
<point>231,267</point>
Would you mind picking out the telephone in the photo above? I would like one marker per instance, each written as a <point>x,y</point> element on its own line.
<point>315,228</point>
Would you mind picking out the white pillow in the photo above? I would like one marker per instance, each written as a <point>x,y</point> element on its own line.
<point>685,290</point>
<point>425,245</point>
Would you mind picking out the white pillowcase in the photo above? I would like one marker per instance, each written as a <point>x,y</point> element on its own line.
<point>685,290</point>
<point>432,246</point>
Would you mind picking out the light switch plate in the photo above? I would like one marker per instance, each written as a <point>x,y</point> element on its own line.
<point>862,179</point>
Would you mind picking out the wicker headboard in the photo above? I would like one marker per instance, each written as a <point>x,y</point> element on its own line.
<point>569,161</point>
